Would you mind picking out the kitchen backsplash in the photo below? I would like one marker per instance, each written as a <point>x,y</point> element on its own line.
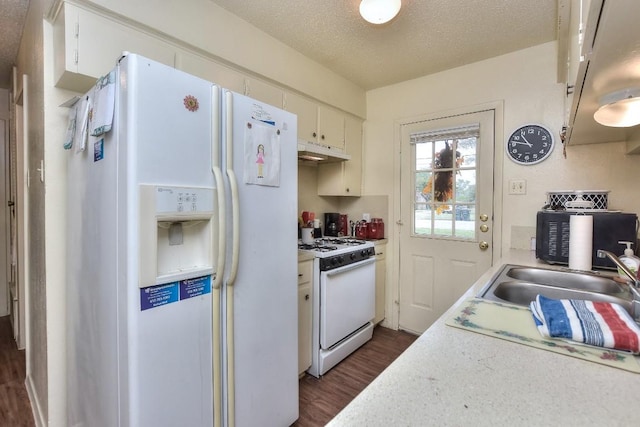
<point>354,207</point>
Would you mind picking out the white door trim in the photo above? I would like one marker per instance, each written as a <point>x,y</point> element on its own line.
<point>392,301</point>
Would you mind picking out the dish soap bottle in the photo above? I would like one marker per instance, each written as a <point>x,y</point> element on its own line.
<point>630,260</point>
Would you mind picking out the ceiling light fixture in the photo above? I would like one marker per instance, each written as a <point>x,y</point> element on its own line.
<point>379,11</point>
<point>619,109</point>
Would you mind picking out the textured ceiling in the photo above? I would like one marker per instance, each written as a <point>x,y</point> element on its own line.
<point>12,14</point>
<point>427,36</point>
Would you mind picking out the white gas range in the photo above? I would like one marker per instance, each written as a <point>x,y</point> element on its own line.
<point>343,299</point>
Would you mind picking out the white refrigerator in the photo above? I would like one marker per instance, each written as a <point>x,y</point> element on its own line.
<point>181,254</point>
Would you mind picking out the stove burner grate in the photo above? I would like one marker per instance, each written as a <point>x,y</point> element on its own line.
<point>340,241</point>
<point>317,247</point>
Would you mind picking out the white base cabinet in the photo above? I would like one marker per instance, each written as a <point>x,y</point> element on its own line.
<point>381,280</point>
<point>305,299</point>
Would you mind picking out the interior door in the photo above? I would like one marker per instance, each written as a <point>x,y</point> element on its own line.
<point>446,213</point>
<point>20,216</point>
<point>5,215</point>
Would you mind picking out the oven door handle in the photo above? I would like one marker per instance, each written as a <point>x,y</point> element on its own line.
<point>350,267</point>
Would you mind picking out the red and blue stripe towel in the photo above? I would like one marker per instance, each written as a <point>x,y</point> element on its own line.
<point>601,324</point>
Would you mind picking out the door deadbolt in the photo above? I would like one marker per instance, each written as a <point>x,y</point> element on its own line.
<point>484,217</point>
<point>484,246</point>
<point>484,228</point>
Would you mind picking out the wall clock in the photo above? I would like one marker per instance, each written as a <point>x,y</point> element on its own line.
<point>530,144</point>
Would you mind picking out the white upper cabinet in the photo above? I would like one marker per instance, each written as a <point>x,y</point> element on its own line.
<point>307,113</point>
<point>330,127</point>
<point>344,178</point>
<point>87,46</point>
<point>611,57</point>
<point>210,70</point>
<point>317,123</point>
<point>257,89</point>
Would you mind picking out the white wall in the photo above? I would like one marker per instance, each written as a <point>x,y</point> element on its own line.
<point>526,82</point>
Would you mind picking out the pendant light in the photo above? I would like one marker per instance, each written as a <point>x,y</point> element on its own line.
<point>619,109</point>
<point>379,11</point>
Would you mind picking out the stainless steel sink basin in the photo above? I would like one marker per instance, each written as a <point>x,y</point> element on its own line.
<point>522,293</point>
<point>519,285</point>
<point>565,279</point>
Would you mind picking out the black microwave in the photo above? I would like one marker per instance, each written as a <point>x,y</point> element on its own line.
<point>609,228</point>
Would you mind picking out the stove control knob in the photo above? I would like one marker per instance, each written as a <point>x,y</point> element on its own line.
<point>334,261</point>
<point>341,259</point>
<point>364,252</point>
<point>352,255</point>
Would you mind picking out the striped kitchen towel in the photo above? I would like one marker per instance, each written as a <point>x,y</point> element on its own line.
<point>600,324</point>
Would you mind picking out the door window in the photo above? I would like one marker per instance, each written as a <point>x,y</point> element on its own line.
<point>444,177</point>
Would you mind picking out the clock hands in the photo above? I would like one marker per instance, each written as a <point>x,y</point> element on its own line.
<point>525,140</point>
<point>527,143</point>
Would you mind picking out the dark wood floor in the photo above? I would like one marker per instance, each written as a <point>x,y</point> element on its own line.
<point>322,399</point>
<point>15,409</point>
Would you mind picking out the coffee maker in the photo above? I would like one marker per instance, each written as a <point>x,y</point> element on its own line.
<point>331,224</point>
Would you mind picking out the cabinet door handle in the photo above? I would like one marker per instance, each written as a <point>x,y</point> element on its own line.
<point>300,274</point>
<point>314,134</point>
<point>306,297</point>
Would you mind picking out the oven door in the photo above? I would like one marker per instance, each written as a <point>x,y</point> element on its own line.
<point>347,300</point>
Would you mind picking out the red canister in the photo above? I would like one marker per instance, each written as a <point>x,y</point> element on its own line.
<point>343,225</point>
<point>361,230</point>
<point>375,229</point>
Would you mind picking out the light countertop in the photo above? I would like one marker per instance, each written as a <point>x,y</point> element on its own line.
<point>451,376</point>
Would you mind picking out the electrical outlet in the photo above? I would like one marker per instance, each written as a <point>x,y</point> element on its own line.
<point>366,217</point>
<point>517,186</point>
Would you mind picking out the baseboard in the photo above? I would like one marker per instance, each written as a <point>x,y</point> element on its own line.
<point>36,408</point>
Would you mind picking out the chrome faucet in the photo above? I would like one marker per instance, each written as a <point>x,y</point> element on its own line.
<point>632,277</point>
<point>634,283</point>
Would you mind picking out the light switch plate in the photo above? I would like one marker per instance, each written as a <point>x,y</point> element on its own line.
<point>517,186</point>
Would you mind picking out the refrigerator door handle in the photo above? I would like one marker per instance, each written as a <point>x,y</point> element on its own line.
<point>235,212</point>
<point>216,340</point>
<point>217,173</point>
<point>233,185</point>
<point>235,247</point>
<point>217,281</point>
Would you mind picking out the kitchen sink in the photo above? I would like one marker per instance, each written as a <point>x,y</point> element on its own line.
<point>565,279</point>
<point>520,285</point>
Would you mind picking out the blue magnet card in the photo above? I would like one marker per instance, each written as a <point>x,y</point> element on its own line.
<point>159,295</point>
<point>195,287</point>
<point>98,150</point>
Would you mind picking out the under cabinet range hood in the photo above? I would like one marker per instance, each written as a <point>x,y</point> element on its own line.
<point>320,153</point>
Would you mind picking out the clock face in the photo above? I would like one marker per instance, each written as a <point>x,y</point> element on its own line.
<point>530,144</point>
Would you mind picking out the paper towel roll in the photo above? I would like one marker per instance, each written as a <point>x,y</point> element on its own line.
<point>580,242</point>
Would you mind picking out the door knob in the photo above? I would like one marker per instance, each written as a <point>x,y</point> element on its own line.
<point>484,246</point>
<point>484,217</point>
<point>484,228</point>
